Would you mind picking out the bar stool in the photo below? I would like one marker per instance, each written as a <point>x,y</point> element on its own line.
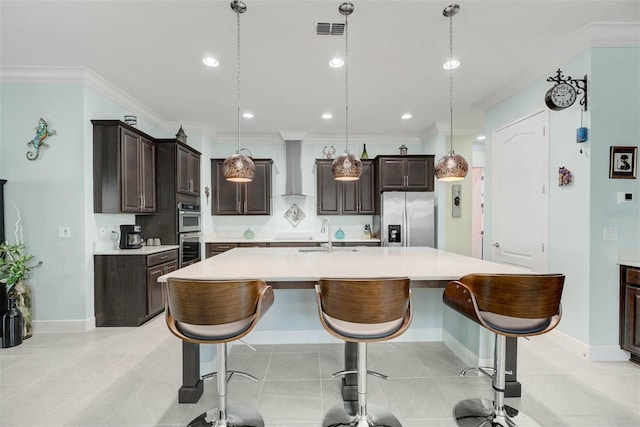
<point>509,305</point>
<point>218,312</point>
<point>362,311</point>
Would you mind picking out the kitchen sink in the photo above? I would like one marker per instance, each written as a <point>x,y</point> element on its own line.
<point>325,250</point>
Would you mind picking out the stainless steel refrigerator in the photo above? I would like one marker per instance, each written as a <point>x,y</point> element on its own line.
<point>406,219</point>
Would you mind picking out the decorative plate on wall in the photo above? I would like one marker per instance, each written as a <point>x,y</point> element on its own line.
<point>294,214</point>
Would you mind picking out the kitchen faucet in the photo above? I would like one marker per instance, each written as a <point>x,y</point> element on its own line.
<point>328,229</point>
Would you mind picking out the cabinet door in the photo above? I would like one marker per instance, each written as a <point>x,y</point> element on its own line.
<point>226,195</point>
<point>632,320</point>
<point>131,194</point>
<point>257,193</point>
<point>148,175</point>
<point>183,176</point>
<point>392,174</point>
<point>194,173</point>
<point>366,189</point>
<point>419,174</point>
<point>328,195</point>
<point>155,300</point>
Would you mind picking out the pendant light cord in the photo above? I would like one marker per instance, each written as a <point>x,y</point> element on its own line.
<point>238,78</point>
<point>346,81</point>
<point>451,82</point>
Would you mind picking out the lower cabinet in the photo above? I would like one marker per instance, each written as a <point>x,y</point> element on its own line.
<point>126,291</point>
<point>213,249</point>
<point>630,311</point>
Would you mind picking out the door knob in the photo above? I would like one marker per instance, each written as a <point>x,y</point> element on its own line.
<point>496,244</point>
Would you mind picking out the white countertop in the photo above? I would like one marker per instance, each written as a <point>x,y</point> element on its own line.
<point>291,264</point>
<point>310,239</point>
<point>145,250</point>
<point>630,263</point>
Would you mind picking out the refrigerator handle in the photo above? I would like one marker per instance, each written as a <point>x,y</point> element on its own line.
<point>405,230</point>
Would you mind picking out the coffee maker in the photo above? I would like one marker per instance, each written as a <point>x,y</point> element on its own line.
<point>130,236</point>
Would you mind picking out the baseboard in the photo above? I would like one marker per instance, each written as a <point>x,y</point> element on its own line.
<point>467,356</point>
<point>63,326</point>
<point>593,353</point>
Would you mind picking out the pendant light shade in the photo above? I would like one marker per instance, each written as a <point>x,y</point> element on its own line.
<point>451,167</point>
<point>346,166</point>
<point>238,167</point>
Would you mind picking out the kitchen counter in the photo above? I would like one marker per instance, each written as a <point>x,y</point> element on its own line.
<point>277,266</point>
<point>145,250</point>
<point>630,263</point>
<point>285,239</point>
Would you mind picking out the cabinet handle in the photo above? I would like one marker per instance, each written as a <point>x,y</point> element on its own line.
<point>245,206</point>
<point>190,185</point>
<point>164,257</point>
<point>239,208</point>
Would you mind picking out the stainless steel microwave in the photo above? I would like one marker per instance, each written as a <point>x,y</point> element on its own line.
<point>189,218</point>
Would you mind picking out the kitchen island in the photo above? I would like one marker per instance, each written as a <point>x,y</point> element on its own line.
<point>300,268</point>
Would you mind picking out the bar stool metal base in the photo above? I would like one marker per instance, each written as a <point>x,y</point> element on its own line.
<point>480,413</point>
<point>237,416</point>
<point>346,415</point>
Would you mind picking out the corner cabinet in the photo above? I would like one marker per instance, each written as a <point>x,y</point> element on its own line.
<point>405,173</point>
<point>126,291</point>
<point>124,169</point>
<point>232,198</point>
<point>346,197</point>
<point>630,311</point>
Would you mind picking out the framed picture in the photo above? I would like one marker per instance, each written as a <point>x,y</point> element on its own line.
<point>622,162</point>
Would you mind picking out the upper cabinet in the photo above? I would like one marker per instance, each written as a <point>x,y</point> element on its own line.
<point>405,173</point>
<point>345,197</point>
<point>188,171</point>
<point>124,169</point>
<point>232,198</point>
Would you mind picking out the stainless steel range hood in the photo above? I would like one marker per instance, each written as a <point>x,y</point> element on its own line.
<point>293,181</point>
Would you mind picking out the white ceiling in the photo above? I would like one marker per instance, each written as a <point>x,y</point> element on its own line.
<point>152,50</point>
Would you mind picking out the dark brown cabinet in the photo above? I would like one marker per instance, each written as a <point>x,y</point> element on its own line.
<point>188,171</point>
<point>126,291</point>
<point>124,169</point>
<point>405,173</point>
<point>173,158</point>
<point>251,198</point>
<point>347,197</point>
<point>630,311</point>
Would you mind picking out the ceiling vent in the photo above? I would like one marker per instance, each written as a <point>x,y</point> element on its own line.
<point>330,29</point>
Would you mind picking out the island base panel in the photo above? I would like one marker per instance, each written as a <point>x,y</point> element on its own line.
<point>192,386</point>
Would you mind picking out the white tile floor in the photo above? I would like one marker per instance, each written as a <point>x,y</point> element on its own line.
<point>130,377</point>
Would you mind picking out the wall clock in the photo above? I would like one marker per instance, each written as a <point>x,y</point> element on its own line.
<point>561,96</point>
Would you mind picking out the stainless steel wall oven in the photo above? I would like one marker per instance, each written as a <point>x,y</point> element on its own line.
<point>189,235</point>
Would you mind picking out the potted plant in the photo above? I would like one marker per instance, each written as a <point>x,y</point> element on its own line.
<point>15,266</point>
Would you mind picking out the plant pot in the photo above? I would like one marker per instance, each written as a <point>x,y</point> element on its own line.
<point>3,303</point>
<point>22,294</point>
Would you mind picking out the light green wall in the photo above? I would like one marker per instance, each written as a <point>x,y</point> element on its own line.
<point>615,120</point>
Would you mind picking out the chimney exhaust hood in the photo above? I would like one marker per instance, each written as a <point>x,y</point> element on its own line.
<point>293,156</point>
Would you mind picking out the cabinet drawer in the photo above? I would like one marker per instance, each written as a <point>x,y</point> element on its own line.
<point>162,257</point>
<point>633,276</point>
<point>252,245</point>
<point>219,247</point>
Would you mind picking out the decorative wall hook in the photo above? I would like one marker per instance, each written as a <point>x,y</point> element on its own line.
<point>42,133</point>
<point>580,86</point>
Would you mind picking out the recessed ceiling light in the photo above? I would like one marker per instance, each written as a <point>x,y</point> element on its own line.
<point>336,63</point>
<point>327,116</point>
<point>451,65</point>
<point>247,115</point>
<point>481,138</point>
<point>406,116</point>
<point>210,62</point>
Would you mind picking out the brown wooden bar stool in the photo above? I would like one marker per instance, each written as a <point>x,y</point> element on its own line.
<point>217,312</point>
<point>509,305</point>
<point>362,311</point>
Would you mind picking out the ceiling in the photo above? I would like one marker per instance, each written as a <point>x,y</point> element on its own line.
<point>152,50</point>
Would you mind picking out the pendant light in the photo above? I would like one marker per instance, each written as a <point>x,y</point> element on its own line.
<point>451,167</point>
<point>346,166</point>
<point>238,167</point>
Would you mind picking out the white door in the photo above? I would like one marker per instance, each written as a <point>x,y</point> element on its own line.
<point>520,171</point>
